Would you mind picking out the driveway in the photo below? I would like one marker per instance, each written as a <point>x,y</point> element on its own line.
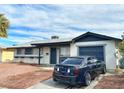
<point>50,84</point>
<point>20,76</point>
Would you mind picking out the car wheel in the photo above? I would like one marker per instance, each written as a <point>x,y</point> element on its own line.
<point>87,79</point>
<point>54,79</point>
<point>104,70</point>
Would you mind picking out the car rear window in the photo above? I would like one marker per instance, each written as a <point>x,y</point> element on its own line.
<point>73,61</point>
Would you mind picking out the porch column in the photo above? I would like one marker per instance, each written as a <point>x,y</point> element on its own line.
<point>39,56</point>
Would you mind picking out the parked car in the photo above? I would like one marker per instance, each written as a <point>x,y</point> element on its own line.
<point>78,70</point>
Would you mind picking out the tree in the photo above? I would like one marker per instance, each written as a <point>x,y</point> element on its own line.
<point>121,50</point>
<point>4,24</point>
<point>121,45</point>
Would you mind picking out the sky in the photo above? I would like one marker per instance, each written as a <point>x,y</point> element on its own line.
<point>30,22</point>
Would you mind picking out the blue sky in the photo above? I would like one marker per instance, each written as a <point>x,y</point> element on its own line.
<point>39,22</point>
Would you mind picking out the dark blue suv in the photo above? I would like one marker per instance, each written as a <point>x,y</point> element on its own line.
<point>78,70</point>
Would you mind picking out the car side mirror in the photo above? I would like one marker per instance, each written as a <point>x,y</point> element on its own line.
<point>95,60</point>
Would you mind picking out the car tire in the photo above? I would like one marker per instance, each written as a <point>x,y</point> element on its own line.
<point>54,79</point>
<point>87,79</point>
<point>104,70</point>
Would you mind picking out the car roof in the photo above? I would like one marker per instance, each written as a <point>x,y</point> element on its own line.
<point>80,56</point>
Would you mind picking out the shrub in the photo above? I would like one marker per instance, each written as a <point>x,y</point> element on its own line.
<point>122,63</point>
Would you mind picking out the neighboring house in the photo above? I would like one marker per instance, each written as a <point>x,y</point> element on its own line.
<point>6,55</point>
<point>0,54</point>
<point>55,50</point>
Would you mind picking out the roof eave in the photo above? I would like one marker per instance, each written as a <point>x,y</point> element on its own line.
<point>52,43</point>
<point>91,33</point>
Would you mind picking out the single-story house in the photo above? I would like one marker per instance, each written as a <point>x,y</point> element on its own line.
<point>6,55</point>
<point>55,50</point>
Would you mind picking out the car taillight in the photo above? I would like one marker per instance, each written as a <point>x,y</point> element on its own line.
<point>68,70</point>
<point>57,69</point>
<point>76,71</point>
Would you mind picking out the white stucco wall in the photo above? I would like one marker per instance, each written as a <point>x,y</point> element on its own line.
<point>58,52</point>
<point>109,51</point>
<point>46,57</point>
<point>27,60</point>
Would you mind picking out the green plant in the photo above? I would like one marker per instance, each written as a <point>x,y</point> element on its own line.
<point>122,63</point>
<point>121,48</point>
<point>4,24</point>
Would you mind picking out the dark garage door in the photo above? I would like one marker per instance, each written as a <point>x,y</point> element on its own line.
<point>96,51</point>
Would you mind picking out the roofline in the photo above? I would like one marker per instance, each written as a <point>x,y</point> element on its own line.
<point>20,47</point>
<point>65,42</point>
<point>80,56</point>
<point>74,39</point>
<point>98,35</point>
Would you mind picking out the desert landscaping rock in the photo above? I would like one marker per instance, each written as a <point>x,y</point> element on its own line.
<point>111,82</point>
<point>18,76</point>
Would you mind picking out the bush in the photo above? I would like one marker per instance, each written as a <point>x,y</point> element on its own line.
<point>122,63</point>
<point>121,48</point>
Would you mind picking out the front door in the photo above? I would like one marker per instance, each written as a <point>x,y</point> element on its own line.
<point>53,56</point>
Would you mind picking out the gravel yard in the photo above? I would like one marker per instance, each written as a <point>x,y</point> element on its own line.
<point>20,76</point>
<point>111,82</point>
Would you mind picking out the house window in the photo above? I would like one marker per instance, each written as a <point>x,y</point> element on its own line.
<point>64,51</point>
<point>28,51</point>
<point>19,51</point>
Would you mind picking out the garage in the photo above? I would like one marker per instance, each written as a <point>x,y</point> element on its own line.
<point>97,51</point>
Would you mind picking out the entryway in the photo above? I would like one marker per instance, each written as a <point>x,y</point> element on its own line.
<point>53,56</point>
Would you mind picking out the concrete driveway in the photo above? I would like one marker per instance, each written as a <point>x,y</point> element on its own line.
<point>50,84</point>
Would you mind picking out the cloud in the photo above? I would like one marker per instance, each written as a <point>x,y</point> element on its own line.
<point>41,21</point>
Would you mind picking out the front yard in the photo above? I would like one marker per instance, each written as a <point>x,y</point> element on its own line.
<point>111,82</point>
<point>18,76</point>
<point>21,76</point>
